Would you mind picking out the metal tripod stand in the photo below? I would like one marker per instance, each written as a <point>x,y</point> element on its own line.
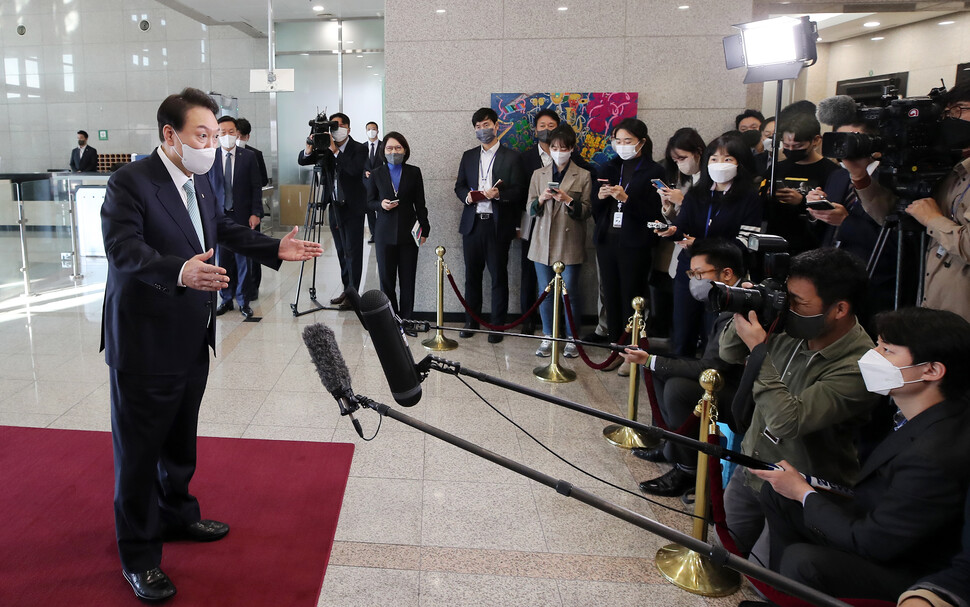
<point>902,225</point>
<point>320,198</point>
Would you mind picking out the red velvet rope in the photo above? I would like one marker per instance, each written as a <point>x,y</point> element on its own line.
<point>582,352</point>
<point>475,317</point>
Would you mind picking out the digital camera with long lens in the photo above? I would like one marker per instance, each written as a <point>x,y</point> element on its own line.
<point>320,129</point>
<point>769,298</point>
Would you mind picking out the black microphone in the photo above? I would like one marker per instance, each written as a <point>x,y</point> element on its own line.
<point>836,111</point>
<point>332,369</point>
<point>392,350</point>
<point>353,297</point>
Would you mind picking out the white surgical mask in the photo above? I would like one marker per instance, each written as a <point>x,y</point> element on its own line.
<point>880,375</point>
<point>372,134</point>
<point>240,143</point>
<point>227,141</point>
<point>341,134</point>
<point>559,157</point>
<point>688,166</point>
<point>625,152</point>
<point>722,172</point>
<point>700,288</point>
<point>195,160</point>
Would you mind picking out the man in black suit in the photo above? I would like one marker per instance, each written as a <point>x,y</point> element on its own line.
<point>373,161</point>
<point>902,521</point>
<point>235,179</point>
<point>160,222</point>
<point>84,158</point>
<point>349,202</point>
<point>492,174</point>
<point>245,129</point>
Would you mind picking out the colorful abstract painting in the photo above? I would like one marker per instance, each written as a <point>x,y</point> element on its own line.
<point>592,116</point>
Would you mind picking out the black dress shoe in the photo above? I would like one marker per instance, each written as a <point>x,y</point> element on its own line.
<point>495,338</point>
<point>465,333</point>
<point>247,312</point>
<point>151,585</point>
<point>651,455</point>
<point>201,531</point>
<point>671,484</point>
<point>224,307</point>
<point>596,338</point>
<point>338,299</point>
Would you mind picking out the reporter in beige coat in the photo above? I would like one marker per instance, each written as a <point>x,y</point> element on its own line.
<point>560,228</point>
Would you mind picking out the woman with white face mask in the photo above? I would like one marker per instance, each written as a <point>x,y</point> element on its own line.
<point>559,233</point>
<point>723,200</point>
<point>624,203</point>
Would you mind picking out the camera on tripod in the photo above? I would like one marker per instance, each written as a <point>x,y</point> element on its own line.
<point>320,129</point>
<point>769,298</point>
<point>911,143</point>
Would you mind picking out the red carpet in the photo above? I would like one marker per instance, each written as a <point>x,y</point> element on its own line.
<point>57,545</point>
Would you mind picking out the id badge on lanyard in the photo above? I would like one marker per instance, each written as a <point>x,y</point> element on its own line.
<point>618,216</point>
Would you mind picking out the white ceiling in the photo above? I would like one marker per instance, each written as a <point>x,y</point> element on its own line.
<point>252,15</point>
<point>833,27</point>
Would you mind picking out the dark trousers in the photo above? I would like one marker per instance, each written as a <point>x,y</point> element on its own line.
<point>256,275</point>
<point>371,222</point>
<point>623,274</point>
<point>528,288</point>
<point>691,321</point>
<point>240,278</point>
<point>678,398</point>
<point>483,249</point>
<point>398,263</point>
<point>153,431</point>
<point>347,229</point>
<point>796,554</point>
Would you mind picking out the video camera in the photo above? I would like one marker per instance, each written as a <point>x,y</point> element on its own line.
<point>320,129</point>
<point>768,298</point>
<point>913,152</point>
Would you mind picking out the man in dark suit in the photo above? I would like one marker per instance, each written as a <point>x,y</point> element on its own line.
<point>488,225</point>
<point>902,521</point>
<point>84,158</point>
<point>349,202</point>
<point>373,161</point>
<point>235,179</point>
<point>244,129</point>
<point>160,222</point>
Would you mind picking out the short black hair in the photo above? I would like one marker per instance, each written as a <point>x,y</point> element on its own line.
<point>225,119</point>
<point>638,129</point>
<point>484,113</point>
<point>960,92</point>
<point>749,114</point>
<point>802,126</point>
<point>85,133</point>
<point>720,253</point>
<point>174,108</point>
<point>243,126</point>
<point>836,274</point>
<point>564,134</point>
<point>370,123</point>
<point>344,117</point>
<point>686,139</point>
<point>548,114</point>
<point>932,336</point>
<point>400,139</point>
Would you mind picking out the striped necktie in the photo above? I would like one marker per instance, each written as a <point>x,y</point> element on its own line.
<point>194,214</point>
<point>228,180</point>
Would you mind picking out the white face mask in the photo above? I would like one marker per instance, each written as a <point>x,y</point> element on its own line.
<point>688,166</point>
<point>880,375</point>
<point>700,288</point>
<point>195,160</point>
<point>341,134</point>
<point>227,141</point>
<point>240,143</point>
<point>372,134</point>
<point>625,152</point>
<point>558,157</point>
<point>722,172</point>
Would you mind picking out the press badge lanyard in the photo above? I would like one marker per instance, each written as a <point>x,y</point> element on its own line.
<point>484,171</point>
<point>618,215</point>
<point>710,209</point>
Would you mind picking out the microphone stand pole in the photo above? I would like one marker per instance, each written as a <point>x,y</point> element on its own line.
<point>718,555</point>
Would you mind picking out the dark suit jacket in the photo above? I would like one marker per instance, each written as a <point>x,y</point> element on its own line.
<point>247,197</point>
<point>86,164</point>
<point>370,165</point>
<point>349,169</point>
<point>394,226</point>
<point>643,205</point>
<point>149,324</point>
<point>909,501</point>
<point>263,175</point>
<point>508,207</point>
<point>954,582</point>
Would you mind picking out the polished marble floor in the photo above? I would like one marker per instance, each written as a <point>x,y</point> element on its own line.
<point>423,523</point>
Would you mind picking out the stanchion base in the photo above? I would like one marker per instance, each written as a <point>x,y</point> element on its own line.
<point>554,374</point>
<point>628,438</point>
<point>695,573</point>
<point>439,343</point>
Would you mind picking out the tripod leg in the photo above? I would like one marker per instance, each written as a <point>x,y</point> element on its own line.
<point>923,237</point>
<point>899,269</point>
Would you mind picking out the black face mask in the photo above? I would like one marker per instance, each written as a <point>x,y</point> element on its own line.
<point>751,138</point>
<point>804,327</point>
<point>797,155</point>
<point>955,133</point>
<point>544,136</point>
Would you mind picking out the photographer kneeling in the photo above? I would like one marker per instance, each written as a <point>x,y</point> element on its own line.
<point>809,393</point>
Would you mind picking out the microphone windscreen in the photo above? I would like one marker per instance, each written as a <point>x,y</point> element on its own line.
<point>326,357</point>
<point>392,351</point>
<point>837,110</point>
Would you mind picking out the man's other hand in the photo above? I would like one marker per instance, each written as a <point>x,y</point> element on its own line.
<point>202,276</point>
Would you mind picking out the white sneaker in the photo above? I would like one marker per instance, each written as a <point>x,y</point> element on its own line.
<point>545,348</point>
<point>624,370</point>
<point>570,351</point>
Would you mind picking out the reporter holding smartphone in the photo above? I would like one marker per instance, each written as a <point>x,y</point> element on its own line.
<point>559,233</point>
<point>396,192</point>
<point>621,209</point>
<point>723,201</point>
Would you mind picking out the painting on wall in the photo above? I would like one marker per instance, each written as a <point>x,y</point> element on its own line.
<point>592,115</point>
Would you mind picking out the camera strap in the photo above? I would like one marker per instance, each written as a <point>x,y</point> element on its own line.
<point>742,407</point>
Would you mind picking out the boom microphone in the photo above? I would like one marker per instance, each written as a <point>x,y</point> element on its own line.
<point>393,352</point>
<point>353,297</point>
<point>836,111</point>
<point>331,368</point>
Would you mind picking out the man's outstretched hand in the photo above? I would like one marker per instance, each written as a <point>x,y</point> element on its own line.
<point>293,249</point>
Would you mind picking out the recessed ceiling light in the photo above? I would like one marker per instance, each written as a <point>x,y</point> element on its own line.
<point>360,56</point>
<point>441,11</point>
<point>876,38</point>
<point>369,66</point>
<point>946,22</point>
<point>350,42</point>
<point>684,7</point>
<point>564,8</point>
<point>318,7</point>
<point>871,24</point>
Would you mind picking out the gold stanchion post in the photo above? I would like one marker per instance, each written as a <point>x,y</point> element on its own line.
<point>440,343</point>
<point>685,568</point>
<point>554,372</point>
<point>621,436</point>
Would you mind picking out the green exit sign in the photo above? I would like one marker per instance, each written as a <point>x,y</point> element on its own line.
<point>102,135</point>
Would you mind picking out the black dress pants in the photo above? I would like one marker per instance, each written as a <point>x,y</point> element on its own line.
<point>398,263</point>
<point>347,229</point>
<point>624,272</point>
<point>528,287</point>
<point>483,249</point>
